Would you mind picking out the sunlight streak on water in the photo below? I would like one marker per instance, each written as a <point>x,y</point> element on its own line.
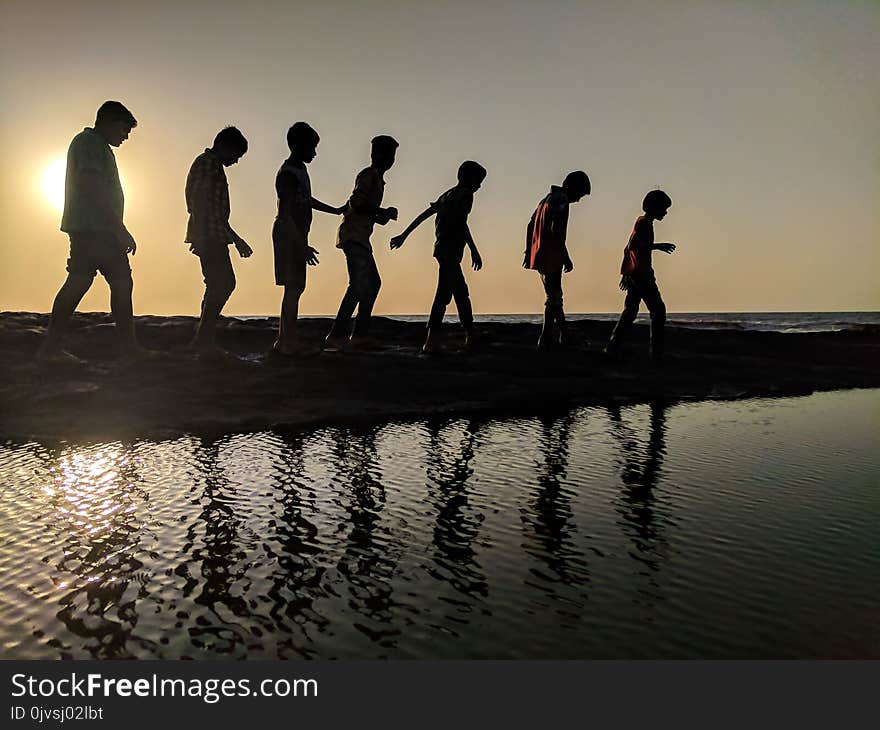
<point>708,529</point>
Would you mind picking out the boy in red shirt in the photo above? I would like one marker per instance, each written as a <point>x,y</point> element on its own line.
<point>637,275</point>
<point>546,251</point>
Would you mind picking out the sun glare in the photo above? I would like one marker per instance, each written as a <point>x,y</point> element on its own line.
<point>53,183</point>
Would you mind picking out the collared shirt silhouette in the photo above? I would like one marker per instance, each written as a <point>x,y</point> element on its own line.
<point>546,234</point>
<point>99,241</point>
<point>207,201</point>
<point>90,152</point>
<point>359,218</point>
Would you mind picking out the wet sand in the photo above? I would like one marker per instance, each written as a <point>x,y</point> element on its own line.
<point>176,393</point>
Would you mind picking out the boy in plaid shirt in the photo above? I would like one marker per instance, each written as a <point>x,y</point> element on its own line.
<point>208,232</point>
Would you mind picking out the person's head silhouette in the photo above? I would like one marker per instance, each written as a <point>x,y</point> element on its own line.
<point>303,140</point>
<point>471,175</point>
<point>230,145</point>
<point>576,185</point>
<point>383,151</point>
<point>656,204</point>
<point>114,122</point>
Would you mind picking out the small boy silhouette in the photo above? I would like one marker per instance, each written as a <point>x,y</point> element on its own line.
<point>208,232</point>
<point>361,213</point>
<point>637,275</point>
<point>99,240</point>
<point>290,232</point>
<point>452,234</point>
<point>546,251</point>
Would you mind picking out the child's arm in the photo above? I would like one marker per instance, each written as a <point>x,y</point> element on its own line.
<point>476,259</point>
<point>559,226</point>
<point>324,208</point>
<point>398,240</point>
<point>664,247</point>
<point>359,202</point>
<point>530,230</point>
<point>286,186</point>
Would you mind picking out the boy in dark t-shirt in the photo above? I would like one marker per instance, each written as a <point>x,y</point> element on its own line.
<point>637,275</point>
<point>546,251</point>
<point>452,235</point>
<point>290,232</point>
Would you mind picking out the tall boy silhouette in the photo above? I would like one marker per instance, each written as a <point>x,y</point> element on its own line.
<point>99,240</point>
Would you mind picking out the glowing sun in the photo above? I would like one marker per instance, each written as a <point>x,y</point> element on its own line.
<point>53,183</point>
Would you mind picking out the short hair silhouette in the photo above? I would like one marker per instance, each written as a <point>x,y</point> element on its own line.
<point>114,111</point>
<point>232,138</point>
<point>656,200</point>
<point>384,143</point>
<point>302,134</point>
<point>577,181</point>
<point>471,172</point>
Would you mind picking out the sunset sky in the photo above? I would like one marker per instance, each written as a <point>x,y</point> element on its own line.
<point>760,119</point>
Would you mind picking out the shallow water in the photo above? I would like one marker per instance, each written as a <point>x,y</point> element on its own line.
<point>714,529</point>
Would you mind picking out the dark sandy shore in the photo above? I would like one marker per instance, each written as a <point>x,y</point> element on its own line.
<point>504,375</point>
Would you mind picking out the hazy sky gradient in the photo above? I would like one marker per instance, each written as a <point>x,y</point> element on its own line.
<point>760,119</point>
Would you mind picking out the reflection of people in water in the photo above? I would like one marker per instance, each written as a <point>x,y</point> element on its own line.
<point>457,523</point>
<point>550,514</point>
<point>298,577</point>
<point>98,538</point>
<point>640,473</point>
<point>222,555</point>
<point>370,557</point>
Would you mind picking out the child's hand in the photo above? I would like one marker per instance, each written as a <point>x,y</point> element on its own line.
<point>476,260</point>
<point>127,242</point>
<point>391,213</point>
<point>567,265</point>
<point>243,249</point>
<point>397,241</point>
<point>666,247</point>
<point>311,256</point>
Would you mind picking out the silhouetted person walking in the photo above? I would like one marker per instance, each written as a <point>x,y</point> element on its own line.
<point>637,275</point>
<point>546,251</point>
<point>208,232</point>
<point>290,233</point>
<point>452,234</point>
<point>99,240</point>
<point>363,211</point>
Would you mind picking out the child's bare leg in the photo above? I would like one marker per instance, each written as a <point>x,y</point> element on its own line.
<point>66,302</point>
<point>560,324</point>
<point>552,308</point>
<point>287,341</point>
<point>546,336</point>
<point>123,314</point>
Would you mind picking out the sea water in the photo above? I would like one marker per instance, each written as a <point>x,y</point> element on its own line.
<point>707,529</point>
